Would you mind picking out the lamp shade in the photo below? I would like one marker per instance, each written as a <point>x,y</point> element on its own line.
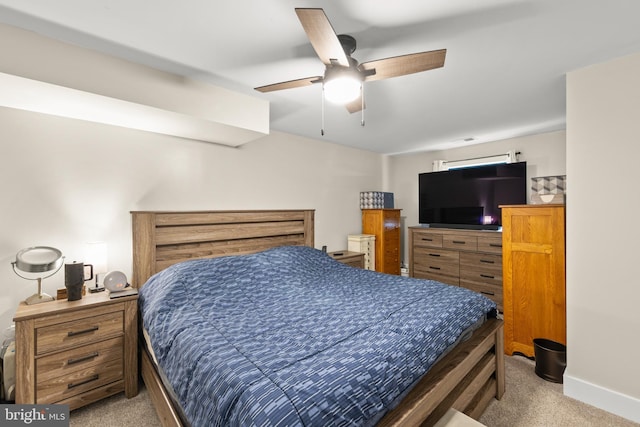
<point>97,255</point>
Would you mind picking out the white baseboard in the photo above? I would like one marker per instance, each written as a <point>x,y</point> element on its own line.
<point>608,400</point>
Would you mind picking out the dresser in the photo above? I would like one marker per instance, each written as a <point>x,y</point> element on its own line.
<point>467,258</point>
<point>384,224</point>
<point>534,276</point>
<point>76,352</point>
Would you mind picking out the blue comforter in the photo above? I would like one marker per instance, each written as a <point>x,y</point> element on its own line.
<point>291,337</point>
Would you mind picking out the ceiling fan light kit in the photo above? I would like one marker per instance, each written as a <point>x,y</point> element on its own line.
<point>342,85</point>
<point>344,77</point>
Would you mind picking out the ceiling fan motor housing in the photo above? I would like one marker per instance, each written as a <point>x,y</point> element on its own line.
<point>348,43</point>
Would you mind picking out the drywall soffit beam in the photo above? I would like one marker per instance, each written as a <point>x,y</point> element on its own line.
<point>41,97</point>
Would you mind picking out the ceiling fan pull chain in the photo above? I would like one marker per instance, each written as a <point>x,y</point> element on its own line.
<point>362,100</point>
<point>322,125</point>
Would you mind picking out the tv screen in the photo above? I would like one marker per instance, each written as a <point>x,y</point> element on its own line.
<point>469,197</point>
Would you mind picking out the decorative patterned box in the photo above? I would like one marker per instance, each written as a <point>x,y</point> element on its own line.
<point>376,200</point>
<point>548,189</point>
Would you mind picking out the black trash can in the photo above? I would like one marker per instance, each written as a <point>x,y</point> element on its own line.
<point>551,359</point>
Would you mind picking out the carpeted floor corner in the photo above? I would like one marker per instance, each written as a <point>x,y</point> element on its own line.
<point>530,401</point>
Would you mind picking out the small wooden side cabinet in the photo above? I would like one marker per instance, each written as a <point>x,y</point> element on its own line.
<point>385,225</point>
<point>76,352</point>
<point>533,238</point>
<point>354,259</point>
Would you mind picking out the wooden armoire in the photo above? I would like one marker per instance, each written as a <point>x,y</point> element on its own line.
<point>533,259</point>
<point>385,225</point>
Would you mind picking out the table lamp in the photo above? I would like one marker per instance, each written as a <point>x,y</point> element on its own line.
<point>97,256</point>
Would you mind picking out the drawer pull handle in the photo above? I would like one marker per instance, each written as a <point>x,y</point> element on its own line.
<point>84,331</point>
<point>487,293</point>
<point>459,242</point>
<point>88,380</point>
<point>487,276</point>
<point>427,239</point>
<point>487,261</point>
<point>495,245</point>
<point>83,358</point>
<point>436,255</point>
<point>434,268</point>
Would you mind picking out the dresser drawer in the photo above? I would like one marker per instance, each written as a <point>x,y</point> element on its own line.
<point>77,359</point>
<point>79,381</point>
<point>482,273</point>
<point>464,243</point>
<point>78,332</point>
<point>437,264</point>
<point>482,268</point>
<point>490,244</point>
<point>494,293</point>
<point>431,275</point>
<point>427,240</point>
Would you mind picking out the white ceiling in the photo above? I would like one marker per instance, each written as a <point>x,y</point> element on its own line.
<point>504,75</point>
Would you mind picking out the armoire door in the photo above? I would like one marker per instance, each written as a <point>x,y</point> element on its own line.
<point>533,276</point>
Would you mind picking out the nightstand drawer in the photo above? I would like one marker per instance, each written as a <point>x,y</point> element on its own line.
<point>354,259</point>
<point>78,359</point>
<point>74,383</point>
<point>82,331</point>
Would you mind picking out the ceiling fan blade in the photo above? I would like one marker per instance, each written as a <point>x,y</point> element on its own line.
<point>404,64</point>
<point>322,36</point>
<point>289,84</point>
<point>355,105</point>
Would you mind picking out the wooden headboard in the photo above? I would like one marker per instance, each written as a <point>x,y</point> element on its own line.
<point>161,239</point>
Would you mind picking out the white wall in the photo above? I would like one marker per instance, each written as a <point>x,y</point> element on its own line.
<point>544,154</point>
<point>66,182</point>
<point>603,286</point>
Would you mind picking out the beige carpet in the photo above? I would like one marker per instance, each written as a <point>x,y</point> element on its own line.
<point>117,411</point>
<point>529,401</point>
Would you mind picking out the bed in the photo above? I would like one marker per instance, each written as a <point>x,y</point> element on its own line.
<point>176,244</point>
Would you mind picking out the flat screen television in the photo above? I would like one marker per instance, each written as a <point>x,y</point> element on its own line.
<point>469,197</point>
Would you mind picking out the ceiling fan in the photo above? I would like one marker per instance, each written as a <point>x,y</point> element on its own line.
<point>345,72</point>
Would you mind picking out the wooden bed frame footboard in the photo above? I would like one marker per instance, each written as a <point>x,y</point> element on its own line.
<point>466,379</point>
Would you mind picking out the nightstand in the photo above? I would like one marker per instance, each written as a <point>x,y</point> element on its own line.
<point>354,259</point>
<point>76,352</point>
